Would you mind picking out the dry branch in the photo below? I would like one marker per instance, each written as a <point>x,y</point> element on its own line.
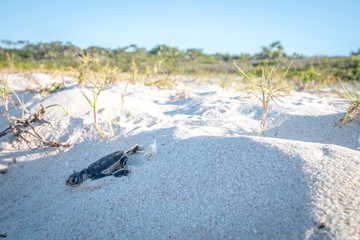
<point>24,129</point>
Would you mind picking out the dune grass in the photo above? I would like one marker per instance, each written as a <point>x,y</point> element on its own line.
<point>354,108</point>
<point>84,61</point>
<point>95,90</point>
<point>269,86</point>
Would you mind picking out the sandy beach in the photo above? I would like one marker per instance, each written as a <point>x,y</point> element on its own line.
<point>202,173</point>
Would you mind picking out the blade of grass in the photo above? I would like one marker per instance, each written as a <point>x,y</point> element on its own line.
<point>87,98</point>
<point>346,92</point>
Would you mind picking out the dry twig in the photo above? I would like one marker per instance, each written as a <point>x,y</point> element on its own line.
<point>24,128</point>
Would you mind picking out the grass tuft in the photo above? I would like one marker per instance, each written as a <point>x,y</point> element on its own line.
<point>96,90</point>
<point>269,86</point>
<point>354,108</point>
<point>85,61</point>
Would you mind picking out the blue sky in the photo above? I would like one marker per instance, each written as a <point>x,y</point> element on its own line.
<point>309,27</point>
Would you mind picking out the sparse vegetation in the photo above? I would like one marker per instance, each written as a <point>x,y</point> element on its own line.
<point>164,60</point>
<point>24,128</point>
<point>354,108</point>
<point>269,86</point>
<point>95,90</point>
<point>53,87</point>
<point>84,64</point>
<point>161,65</point>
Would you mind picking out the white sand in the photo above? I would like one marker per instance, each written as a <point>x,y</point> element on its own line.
<point>203,173</point>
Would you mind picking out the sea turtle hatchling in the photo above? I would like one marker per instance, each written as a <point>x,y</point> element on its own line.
<point>112,164</point>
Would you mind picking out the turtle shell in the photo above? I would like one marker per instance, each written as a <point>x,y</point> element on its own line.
<point>108,164</point>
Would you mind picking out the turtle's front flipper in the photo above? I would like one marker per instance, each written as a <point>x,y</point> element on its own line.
<point>100,176</point>
<point>133,150</point>
<point>122,172</point>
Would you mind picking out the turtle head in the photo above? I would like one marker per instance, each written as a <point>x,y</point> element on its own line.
<point>75,179</point>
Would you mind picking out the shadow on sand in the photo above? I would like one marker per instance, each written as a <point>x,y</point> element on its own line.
<point>200,187</point>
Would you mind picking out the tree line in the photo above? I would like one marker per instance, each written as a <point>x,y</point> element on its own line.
<point>64,56</point>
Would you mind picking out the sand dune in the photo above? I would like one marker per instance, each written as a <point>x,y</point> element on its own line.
<point>202,174</point>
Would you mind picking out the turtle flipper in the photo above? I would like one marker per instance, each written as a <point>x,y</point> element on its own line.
<point>99,176</point>
<point>133,150</point>
<point>122,172</point>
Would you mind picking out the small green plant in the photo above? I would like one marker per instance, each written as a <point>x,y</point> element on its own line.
<point>53,87</point>
<point>66,112</point>
<point>107,72</point>
<point>96,90</point>
<point>134,71</point>
<point>354,108</point>
<point>269,88</point>
<point>85,61</point>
